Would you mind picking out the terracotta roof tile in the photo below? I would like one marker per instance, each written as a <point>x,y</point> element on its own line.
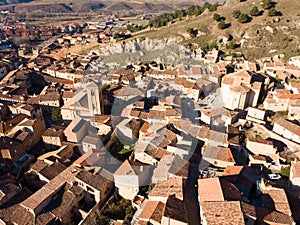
<point>223,213</point>
<point>175,209</point>
<point>294,128</point>
<point>168,187</point>
<point>210,190</point>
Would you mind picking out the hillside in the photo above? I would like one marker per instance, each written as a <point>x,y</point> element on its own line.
<point>8,2</point>
<point>125,7</point>
<point>262,36</point>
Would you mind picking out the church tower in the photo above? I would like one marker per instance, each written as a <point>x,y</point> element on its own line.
<point>94,96</point>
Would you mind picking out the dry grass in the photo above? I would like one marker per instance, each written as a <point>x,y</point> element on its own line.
<point>284,39</point>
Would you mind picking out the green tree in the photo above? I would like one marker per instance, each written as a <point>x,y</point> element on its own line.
<point>254,11</point>
<point>37,33</point>
<point>231,45</point>
<point>236,13</point>
<point>192,31</point>
<point>216,17</point>
<point>244,18</point>
<point>285,171</point>
<point>213,7</point>
<point>210,46</point>
<point>56,115</point>
<point>272,12</point>
<point>222,25</point>
<point>267,4</point>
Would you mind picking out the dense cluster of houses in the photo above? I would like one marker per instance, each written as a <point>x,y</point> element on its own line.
<point>219,147</point>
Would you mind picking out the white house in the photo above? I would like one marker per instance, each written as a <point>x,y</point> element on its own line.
<point>238,92</point>
<point>256,113</point>
<point>295,175</point>
<point>260,146</point>
<point>295,61</point>
<point>76,130</point>
<point>91,143</point>
<point>129,177</point>
<point>294,109</point>
<point>287,129</point>
<point>85,103</point>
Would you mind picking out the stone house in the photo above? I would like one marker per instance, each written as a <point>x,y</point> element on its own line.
<point>29,110</point>
<point>169,167</point>
<point>241,91</point>
<point>260,146</point>
<point>295,175</point>
<point>287,129</point>
<point>97,186</point>
<point>218,156</point>
<point>53,138</point>
<point>129,177</point>
<point>76,130</point>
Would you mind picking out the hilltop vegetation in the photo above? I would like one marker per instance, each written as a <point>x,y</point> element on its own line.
<point>261,28</point>
<point>122,8</point>
<point>7,2</point>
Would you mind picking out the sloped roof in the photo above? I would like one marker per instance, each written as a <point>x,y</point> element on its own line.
<point>210,190</point>
<point>175,209</point>
<point>223,213</point>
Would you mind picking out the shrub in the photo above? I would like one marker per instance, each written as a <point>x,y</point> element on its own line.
<point>213,7</point>
<point>231,45</point>
<point>254,11</point>
<point>236,13</point>
<point>217,17</point>
<point>119,36</point>
<point>56,115</point>
<point>267,4</point>
<point>193,32</point>
<point>285,171</point>
<point>272,12</point>
<point>244,18</point>
<point>190,30</point>
<point>222,25</point>
<point>229,37</point>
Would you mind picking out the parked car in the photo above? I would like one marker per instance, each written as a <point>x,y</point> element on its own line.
<point>274,176</point>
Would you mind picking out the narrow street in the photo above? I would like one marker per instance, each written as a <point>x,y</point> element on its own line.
<point>191,189</point>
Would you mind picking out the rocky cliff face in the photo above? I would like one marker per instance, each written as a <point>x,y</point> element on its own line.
<point>140,50</point>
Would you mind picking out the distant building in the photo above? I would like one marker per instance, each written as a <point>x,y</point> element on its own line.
<point>170,166</point>
<point>256,115</point>
<point>29,110</point>
<point>152,212</point>
<point>222,212</point>
<point>76,130</point>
